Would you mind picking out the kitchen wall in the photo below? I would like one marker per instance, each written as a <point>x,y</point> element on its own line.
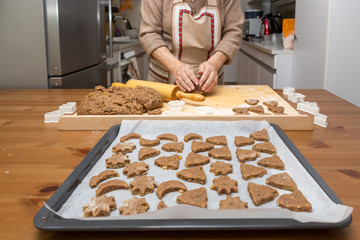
<point>343,73</point>
<point>132,14</point>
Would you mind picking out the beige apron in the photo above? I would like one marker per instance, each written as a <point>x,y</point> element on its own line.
<point>194,38</point>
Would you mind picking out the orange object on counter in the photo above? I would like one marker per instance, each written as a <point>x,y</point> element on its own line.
<point>288,27</point>
<point>125,5</point>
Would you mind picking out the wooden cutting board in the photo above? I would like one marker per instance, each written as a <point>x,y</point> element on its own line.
<point>222,100</point>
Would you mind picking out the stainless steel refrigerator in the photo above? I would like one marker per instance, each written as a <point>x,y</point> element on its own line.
<point>53,43</point>
<point>76,44</point>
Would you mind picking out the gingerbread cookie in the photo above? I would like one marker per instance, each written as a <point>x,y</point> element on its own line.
<point>221,168</point>
<point>282,181</point>
<point>110,186</point>
<point>270,103</point>
<point>192,136</point>
<point>142,185</point>
<point>171,162</point>
<point>195,159</point>
<point>244,155</point>
<point>173,147</point>
<point>276,109</point>
<point>147,152</point>
<point>197,146</point>
<point>96,180</point>
<point>217,140</point>
<point>249,171</point>
<point>241,141</point>
<point>194,174</point>
<point>134,206</point>
<point>117,160</point>
<point>135,169</point>
<point>161,205</point>
<point>261,135</point>
<point>257,109</point>
<point>233,203</point>
<point>266,147</point>
<point>241,111</point>
<point>251,101</point>
<point>196,197</point>
<point>295,202</point>
<point>130,136</point>
<point>167,136</point>
<point>99,206</point>
<point>261,194</point>
<point>220,153</point>
<point>124,148</point>
<point>149,143</point>
<point>224,185</point>
<point>272,162</point>
<point>170,186</point>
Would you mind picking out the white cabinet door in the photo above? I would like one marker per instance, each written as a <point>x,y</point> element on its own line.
<point>243,69</point>
<point>254,68</point>
<point>266,77</point>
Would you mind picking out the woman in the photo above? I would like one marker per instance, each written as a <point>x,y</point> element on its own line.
<point>188,41</point>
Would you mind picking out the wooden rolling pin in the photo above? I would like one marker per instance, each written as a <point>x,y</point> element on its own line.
<point>168,92</point>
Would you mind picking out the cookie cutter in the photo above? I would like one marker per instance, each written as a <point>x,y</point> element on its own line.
<point>176,106</point>
<point>288,90</point>
<point>53,117</point>
<point>309,107</point>
<point>68,108</point>
<point>320,119</point>
<point>296,97</point>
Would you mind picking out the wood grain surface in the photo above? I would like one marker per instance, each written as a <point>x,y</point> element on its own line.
<point>223,98</point>
<point>35,159</point>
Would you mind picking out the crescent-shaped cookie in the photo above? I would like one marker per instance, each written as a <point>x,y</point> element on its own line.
<point>170,186</point>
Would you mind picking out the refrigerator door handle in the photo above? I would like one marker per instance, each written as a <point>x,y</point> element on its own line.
<point>108,3</point>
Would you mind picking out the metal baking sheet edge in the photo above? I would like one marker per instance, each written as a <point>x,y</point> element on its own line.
<point>48,221</point>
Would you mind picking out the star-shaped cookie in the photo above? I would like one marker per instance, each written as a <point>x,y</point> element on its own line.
<point>135,169</point>
<point>221,168</point>
<point>224,185</point>
<point>233,203</point>
<point>143,185</point>
<point>134,206</point>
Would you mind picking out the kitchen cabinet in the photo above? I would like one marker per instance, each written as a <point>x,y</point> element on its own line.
<point>264,66</point>
<point>113,68</point>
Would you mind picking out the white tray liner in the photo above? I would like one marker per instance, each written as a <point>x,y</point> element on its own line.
<point>324,210</point>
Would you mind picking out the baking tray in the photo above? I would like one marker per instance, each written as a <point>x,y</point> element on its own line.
<point>48,221</point>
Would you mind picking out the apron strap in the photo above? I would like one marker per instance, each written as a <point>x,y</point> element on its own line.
<point>210,2</point>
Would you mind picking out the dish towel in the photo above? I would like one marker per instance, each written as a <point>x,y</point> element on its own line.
<point>133,70</point>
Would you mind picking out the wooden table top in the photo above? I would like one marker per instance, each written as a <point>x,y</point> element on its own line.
<point>36,158</point>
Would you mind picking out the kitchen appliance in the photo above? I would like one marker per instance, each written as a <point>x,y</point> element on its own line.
<point>270,24</point>
<point>252,23</point>
<point>54,44</point>
<point>76,44</point>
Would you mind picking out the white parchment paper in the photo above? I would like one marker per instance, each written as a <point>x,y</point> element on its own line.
<point>324,210</point>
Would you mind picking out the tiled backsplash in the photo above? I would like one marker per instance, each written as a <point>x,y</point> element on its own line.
<point>287,9</point>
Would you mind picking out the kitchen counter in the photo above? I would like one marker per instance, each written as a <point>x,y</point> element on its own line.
<point>119,46</point>
<point>36,158</point>
<point>267,49</point>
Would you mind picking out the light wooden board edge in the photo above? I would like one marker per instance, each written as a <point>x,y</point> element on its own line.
<point>104,122</point>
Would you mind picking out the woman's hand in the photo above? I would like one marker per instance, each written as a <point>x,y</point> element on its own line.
<point>184,76</point>
<point>209,76</point>
<point>209,71</point>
